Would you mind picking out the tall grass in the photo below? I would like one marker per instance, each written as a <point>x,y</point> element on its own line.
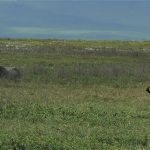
<point>75,95</point>
<point>84,73</point>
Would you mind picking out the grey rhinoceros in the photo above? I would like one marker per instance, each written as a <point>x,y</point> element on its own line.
<point>11,73</point>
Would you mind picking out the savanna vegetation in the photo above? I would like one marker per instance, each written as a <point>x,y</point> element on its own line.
<point>75,95</point>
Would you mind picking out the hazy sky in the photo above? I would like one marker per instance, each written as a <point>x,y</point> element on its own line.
<point>75,19</point>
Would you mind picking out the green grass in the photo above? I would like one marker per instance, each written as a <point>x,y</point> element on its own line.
<point>71,102</point>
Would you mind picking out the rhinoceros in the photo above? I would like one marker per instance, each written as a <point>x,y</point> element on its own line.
<point>11,73</point>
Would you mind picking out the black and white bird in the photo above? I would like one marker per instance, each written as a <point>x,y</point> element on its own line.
<point>148,89</point>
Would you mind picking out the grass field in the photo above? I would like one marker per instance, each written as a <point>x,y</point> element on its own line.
<point>75,95</point>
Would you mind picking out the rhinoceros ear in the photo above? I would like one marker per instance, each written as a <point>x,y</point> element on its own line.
<point>148,89</point>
